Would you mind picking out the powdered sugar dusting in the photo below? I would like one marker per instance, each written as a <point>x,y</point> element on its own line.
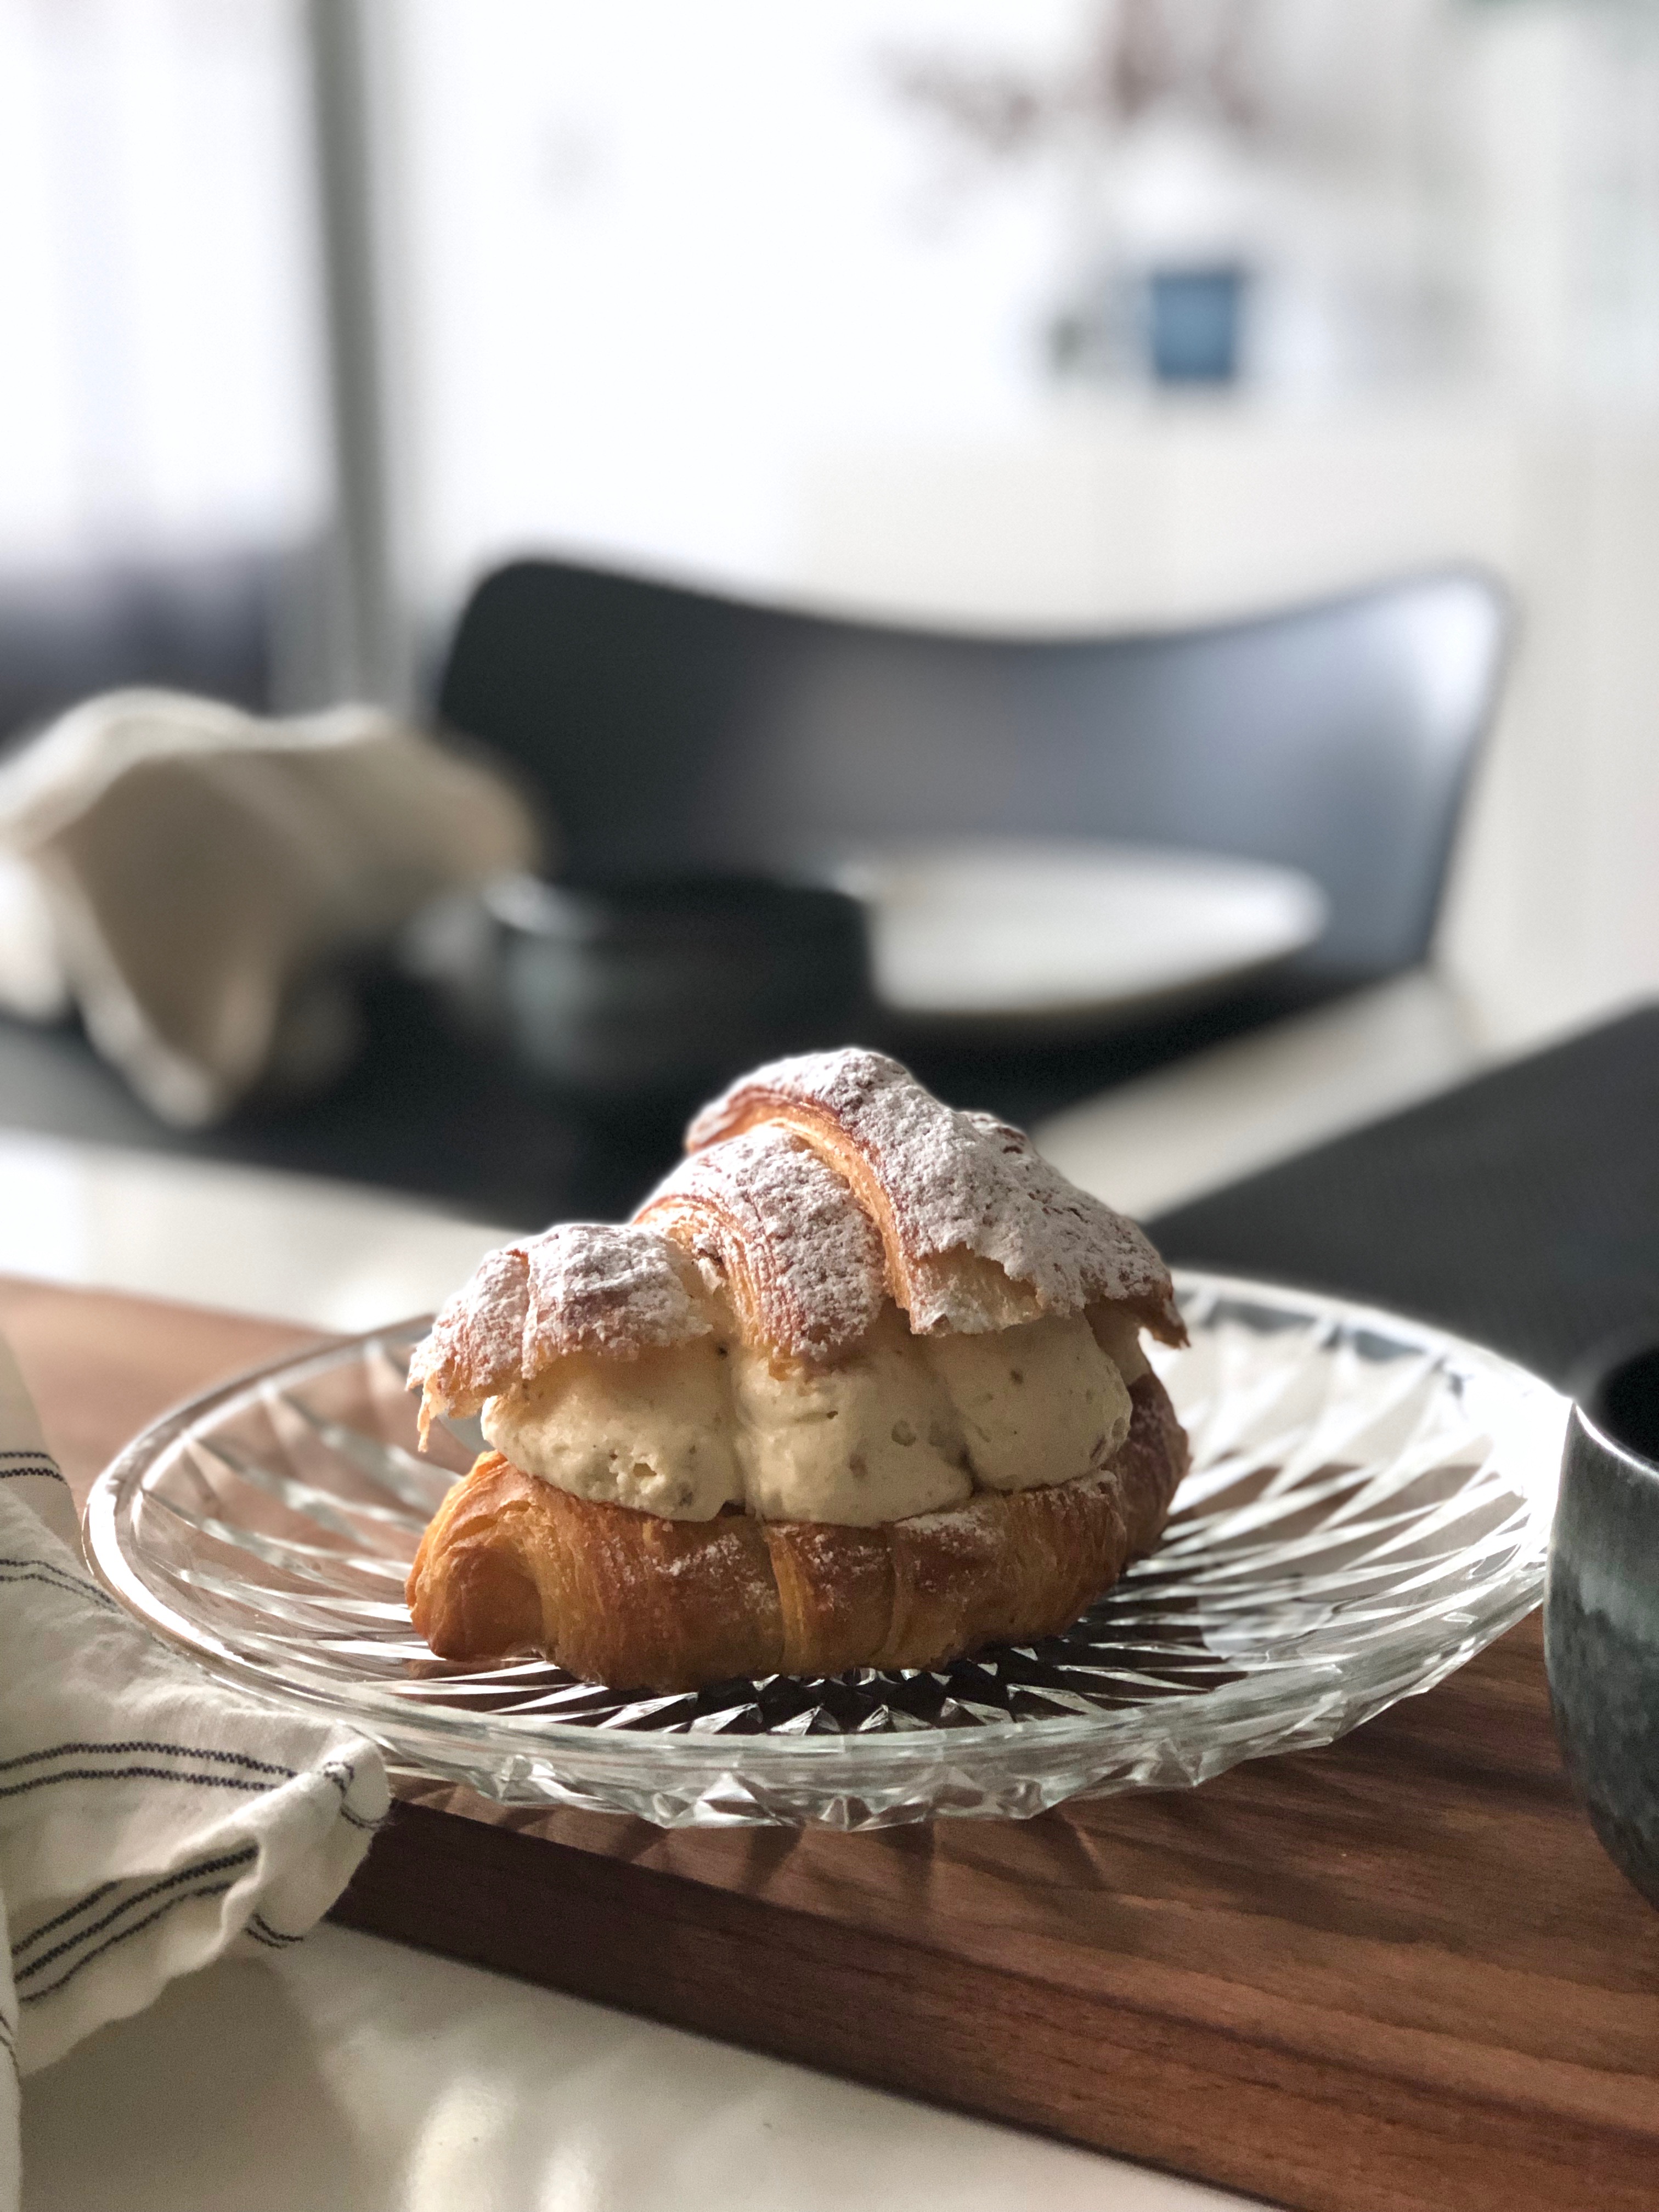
<point>599,1287</point>
<point>477,1343</point>
<point>955,1182</point>
<point>986,1507</point>
<point>786,1231</point>
<point>583,1286</point>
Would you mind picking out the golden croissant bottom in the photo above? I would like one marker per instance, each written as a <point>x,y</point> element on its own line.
<point>512,1564</point>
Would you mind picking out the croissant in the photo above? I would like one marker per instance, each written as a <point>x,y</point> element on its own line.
<point>861,1385</point>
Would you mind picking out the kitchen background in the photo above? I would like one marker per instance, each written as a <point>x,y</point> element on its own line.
<point>1053,313</point>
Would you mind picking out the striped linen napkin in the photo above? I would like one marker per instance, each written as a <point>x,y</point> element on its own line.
<point>149,1819</point>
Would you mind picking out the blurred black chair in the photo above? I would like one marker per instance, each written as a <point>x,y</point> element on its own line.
<point>669,728</point>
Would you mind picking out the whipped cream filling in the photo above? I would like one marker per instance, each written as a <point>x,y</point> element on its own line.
<point>654,1432</point>
<point>904,1424</point>
<point>1037,1397</point>
<point>873,1438</point>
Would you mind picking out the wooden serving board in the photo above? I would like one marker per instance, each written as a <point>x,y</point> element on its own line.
<point>1397,1973</point>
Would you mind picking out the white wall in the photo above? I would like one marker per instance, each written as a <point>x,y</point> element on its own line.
<point>653,252</point>
<point>659,266</point>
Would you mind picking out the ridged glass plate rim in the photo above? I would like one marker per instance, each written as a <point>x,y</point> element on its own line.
<point>1332,1698</point>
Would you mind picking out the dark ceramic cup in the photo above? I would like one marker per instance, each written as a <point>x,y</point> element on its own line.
<point>649,991</point>
<point>1601,1610</point>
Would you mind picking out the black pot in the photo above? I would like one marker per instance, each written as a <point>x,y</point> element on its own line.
<point>1601,1609</point>
<point>650,991</point>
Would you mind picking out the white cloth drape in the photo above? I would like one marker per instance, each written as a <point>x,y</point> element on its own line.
<point>202,884</point>
<point>149,1819</point>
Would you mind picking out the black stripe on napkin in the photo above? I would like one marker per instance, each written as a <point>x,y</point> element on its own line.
<point>132,1744</point>
<point>37,1566</point>
<point>29,1462</point>
<point>223,1863</point>
<point>197,1768</point>
<point>130,1774</point>
<point>82,1904</point>
<point>343,1776</point>
<point>252,1776</point>
<point>274,1939</point>
<point>55,1577</point>
<point>123,1935</point>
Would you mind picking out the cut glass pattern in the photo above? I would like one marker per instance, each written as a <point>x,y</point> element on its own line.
<point>1368,1505</point>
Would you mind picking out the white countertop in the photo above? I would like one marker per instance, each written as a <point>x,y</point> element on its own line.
<point>356,2073</point>
<point>353,2076</point>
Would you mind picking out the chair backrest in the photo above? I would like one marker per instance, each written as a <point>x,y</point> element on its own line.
<point>672,726</point>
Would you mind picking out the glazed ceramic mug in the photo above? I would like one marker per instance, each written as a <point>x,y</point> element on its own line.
<point>1601,1609</point>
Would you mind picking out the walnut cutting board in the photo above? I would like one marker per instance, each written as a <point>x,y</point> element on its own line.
<point>1395,1974</point>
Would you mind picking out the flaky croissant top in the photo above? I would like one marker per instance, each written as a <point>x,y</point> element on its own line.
<point>978,1231</point>
<point>814,1190</point>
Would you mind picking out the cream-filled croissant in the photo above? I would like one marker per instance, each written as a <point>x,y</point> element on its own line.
<point>860,1385</point>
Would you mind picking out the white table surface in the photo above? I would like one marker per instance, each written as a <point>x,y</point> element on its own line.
<point>356,2073</point>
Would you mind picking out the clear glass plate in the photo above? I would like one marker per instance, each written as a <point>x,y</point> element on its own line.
<point>1370,1504</point>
